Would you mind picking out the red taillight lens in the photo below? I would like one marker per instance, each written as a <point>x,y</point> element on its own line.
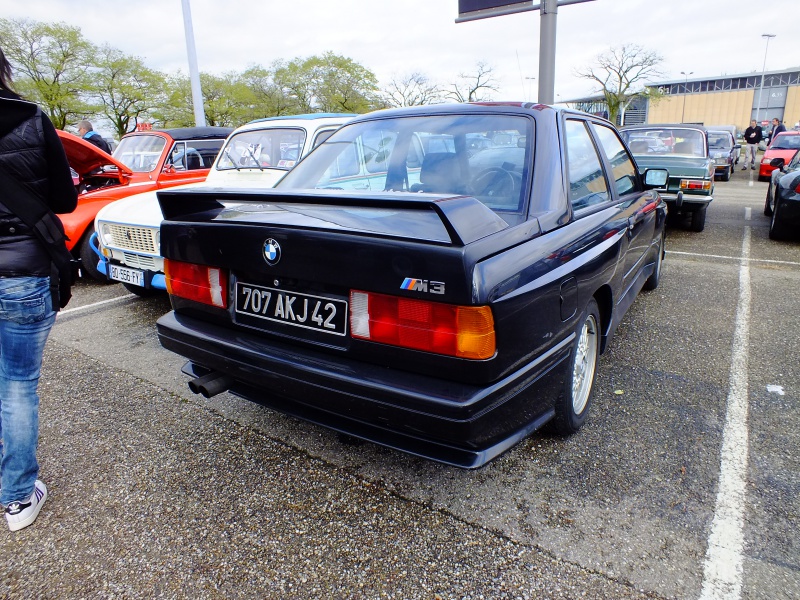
<point>208,285</point>
<point>462,331</point>
<point>695,184</point>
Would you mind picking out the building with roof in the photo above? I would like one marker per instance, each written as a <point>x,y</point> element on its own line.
<point>724,100</point>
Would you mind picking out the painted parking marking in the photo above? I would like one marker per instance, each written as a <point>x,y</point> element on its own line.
<point>737,258</point>
<point>722,570</point>
<point>748,212</point>
<point>95,304</point>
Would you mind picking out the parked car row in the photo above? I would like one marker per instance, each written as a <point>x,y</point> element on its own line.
<point>439,279</point>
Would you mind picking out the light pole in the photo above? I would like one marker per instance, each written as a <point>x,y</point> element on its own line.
<point>761,89</point>
<point>685,91</point>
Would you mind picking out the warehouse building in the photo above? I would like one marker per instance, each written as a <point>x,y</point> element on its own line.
<point>726,100</point>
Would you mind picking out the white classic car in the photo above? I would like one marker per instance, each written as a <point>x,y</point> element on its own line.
<point>255,155</point>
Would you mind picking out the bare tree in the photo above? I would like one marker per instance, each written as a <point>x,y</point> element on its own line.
<point>414,89</point>
<point>621,74</point>
<point>476,87</point>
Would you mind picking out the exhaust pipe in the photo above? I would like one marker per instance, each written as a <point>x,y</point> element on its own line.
<point>210,385</point>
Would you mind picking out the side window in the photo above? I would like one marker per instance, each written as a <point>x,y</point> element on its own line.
<point>321,137</point>
<point>587,184</point>
<point>177,157</point>
<point>621,164</point>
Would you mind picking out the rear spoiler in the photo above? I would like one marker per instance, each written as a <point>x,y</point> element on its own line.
<point>465,218</point>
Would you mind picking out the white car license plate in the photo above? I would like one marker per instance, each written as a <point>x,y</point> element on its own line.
<point>125,275</point>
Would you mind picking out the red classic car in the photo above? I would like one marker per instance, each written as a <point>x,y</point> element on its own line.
<point>783,146</point>
<point>143,161</point>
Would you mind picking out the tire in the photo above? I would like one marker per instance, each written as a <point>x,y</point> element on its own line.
<point>140,291</point>
<point>777,230</point>
<point>726,176</point>
<point>655,277</point>
<point>572,406</point>
<point>699,219</point>
<point>89,259</point>
<point>768,201</point>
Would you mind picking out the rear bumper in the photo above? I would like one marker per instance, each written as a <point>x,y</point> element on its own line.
<point>686,200</point>
<point>457,424</point>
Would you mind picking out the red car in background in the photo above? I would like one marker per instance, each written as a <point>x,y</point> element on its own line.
<point>783,146</point>
<point>143,161</point>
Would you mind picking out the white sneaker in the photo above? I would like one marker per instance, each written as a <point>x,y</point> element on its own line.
<point>21,514</point>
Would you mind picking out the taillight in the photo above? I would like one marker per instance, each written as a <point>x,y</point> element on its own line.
<point>462,331</point>
<point>695,184</point>
<point>208,285</point>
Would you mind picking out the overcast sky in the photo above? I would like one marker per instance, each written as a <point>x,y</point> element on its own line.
<point>396,37</point>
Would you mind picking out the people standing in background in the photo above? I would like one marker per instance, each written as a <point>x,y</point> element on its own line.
<point>752,135</point>
<point>88,133</point>
<point>777,127</point>
<point>34,169</point>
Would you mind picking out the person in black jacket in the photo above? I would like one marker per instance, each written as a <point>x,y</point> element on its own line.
<point>752,135</point>
<point>777,127</point>
<point>87,132</point>
<point>31,155</point>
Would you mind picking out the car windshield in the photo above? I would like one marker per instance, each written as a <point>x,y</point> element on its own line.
<point>719,141</point>
<point>140,153</point>
<point>677,141</point>
<point>786,142</point>
<point>276,147</point>
<point>484,156</point>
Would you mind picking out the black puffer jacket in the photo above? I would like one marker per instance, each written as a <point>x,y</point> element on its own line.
<point>32,153</point>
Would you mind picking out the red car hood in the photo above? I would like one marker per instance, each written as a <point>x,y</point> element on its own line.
<point>85,157</point>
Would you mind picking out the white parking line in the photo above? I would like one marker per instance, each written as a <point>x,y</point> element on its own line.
<point>722,571</point>
<point>737,258</point>
<point>748,212</point>
<point>88,306</point>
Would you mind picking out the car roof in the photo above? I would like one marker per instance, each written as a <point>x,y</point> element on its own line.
<point>189,133</point>
<point>311,121</point>
<point>663,126</point>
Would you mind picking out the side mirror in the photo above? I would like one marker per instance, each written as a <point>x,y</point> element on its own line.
<point>168,168</point>
<point>737,147</point>
<point>656,178</point>
<point>778,163</point>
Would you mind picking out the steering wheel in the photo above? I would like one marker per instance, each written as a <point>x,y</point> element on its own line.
<point>494,181</point>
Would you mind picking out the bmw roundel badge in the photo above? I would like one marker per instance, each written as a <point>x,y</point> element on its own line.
<point>272,252</point>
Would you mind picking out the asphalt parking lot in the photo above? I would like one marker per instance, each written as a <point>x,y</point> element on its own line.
<point>155,492</point>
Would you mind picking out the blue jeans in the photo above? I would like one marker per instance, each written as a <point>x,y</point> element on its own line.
<point>26,317</point>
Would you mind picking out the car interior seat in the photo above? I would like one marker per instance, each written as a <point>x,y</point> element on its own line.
<point>439,174</point>
<point>193,161</point>
<point>639,147</point>
<point>685,147</point>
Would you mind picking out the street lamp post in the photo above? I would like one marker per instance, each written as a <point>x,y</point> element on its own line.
<point>767,36</point>
<point>685,92</point>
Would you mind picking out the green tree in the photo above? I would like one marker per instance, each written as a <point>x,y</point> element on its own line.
<point>126,89</point>
<point>621,74</point>
<point>49,63</point>
<point>329,83</point>
<point>271,97</point>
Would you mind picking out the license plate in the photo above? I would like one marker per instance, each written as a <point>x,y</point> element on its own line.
<point>320,313</point>
<point>125,275</point>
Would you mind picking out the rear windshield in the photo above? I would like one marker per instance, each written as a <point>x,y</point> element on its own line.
<point>277,147</point>
<point>484,156</point>
<point>678,141</point>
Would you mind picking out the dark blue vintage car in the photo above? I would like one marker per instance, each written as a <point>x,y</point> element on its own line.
<point>783,198</point>
<point>406,286</point>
